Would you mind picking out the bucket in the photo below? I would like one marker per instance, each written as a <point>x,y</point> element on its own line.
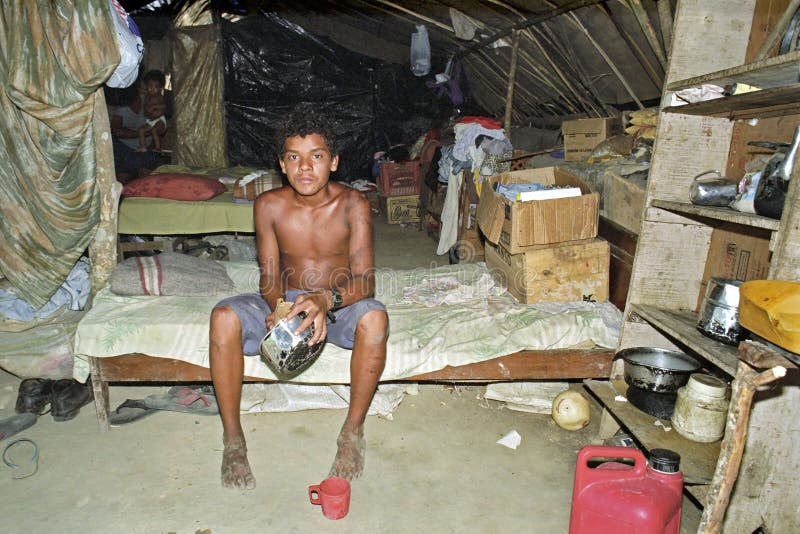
<point>615,497</point>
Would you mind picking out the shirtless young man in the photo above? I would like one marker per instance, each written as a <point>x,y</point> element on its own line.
<point>314,241</point>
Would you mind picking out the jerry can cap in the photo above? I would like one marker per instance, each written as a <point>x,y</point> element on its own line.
<point>665,460</point>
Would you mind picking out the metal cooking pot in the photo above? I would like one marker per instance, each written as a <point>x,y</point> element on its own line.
<point>719,313</point>
<point>659,370</point>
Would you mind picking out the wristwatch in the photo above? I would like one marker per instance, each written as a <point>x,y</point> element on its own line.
<point>337,299</point>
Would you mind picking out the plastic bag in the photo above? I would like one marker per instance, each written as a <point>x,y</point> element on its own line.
<point>420,52</point>
<point>131,47</point>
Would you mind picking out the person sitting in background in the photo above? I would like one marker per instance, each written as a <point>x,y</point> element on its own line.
<point>126,119</point>
<point>154,108</point>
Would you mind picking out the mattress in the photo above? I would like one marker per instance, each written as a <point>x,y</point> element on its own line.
<point>451,315</point>
<point>158,216</point>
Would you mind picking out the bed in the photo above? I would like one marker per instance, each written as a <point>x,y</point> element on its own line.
<point>159,217</point>
<point>450,323</point>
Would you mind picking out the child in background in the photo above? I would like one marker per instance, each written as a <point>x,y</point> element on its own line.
<point>154,108</point>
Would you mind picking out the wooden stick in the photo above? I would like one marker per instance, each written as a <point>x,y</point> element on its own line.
<point>730,458</point>
<point>655,77</point>
<point>666,21</point>
<point>528,33</point>
<point>571,58</point>
<point>608,60</point>
<point>512,73</point>
<point>417,15</point>
<point>530,21</point>
<point>649,31</point>
<point>778,30</point>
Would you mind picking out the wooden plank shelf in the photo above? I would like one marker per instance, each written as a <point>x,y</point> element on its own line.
<point>768,73</point>
<point>758,104</point>
<point>682,327</point>
<point>719,214</point>
<point>699,492</point>
<point>698,460</point>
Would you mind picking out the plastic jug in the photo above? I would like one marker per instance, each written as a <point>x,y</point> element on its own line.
<point>615,497</point>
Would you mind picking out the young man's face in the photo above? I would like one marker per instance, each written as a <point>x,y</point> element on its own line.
<point>307,163</point>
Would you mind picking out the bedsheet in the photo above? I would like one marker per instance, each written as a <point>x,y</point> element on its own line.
<point>158,216</point>
<point>451,315</point>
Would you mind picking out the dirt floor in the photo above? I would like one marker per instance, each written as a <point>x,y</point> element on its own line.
<point>434,467</point>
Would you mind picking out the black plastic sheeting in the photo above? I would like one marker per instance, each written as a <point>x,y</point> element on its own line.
<point>271,65</point>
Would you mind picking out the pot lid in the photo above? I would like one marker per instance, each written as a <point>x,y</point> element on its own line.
<point>708,385</point>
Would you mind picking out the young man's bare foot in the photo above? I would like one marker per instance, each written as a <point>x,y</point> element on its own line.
<point>236,472</point>
<point>349,461</point>
<point>141,149</point>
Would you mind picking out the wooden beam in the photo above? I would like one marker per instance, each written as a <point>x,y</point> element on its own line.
<point>528,22</point>
<point>512,73</point>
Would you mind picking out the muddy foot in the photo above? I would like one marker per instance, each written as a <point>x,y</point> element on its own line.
<point>349,461</point>
<point>236,472</point>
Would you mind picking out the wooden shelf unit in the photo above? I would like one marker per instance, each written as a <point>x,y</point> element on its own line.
<point>675,235</point>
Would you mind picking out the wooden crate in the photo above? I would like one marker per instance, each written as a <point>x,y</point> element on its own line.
<point>563,272</point>
<point>403,209</point>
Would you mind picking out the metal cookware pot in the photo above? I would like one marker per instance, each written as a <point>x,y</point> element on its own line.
<point>659,370</point>
<point>719,313</point>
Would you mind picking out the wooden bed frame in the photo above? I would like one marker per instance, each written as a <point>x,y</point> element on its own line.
<point>524,365</point>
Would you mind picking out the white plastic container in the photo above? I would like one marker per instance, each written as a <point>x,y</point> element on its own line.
<point>701,408</point>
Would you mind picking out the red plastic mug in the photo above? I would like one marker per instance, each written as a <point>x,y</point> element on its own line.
<point>333,494</point>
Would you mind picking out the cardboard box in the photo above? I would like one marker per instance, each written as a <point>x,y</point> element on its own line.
<point>581,136</point>
<point>265,182</point>
<point>402,209</point>
<point>563,272</point>
<point>732,254</point>
<point>517,225</point>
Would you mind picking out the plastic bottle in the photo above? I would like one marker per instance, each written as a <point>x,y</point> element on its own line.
<point>617,498</point>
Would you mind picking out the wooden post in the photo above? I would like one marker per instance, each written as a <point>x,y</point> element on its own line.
<point>649,31</point>
<point>103,248</point>
<point>512,74</point>
<point>730,457</point>
<point>778,30</point>
<point>666,21</point>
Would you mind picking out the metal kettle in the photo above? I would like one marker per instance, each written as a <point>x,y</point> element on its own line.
<point>712,191</point>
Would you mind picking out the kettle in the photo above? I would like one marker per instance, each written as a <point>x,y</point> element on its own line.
<point>712,191</point>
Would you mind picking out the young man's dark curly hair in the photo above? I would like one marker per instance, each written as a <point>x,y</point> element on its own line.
<point>306,119</point>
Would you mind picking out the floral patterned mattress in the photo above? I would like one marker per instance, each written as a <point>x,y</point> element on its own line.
<point>451,315</point>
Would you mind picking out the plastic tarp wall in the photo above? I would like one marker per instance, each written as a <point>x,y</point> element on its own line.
<point>54,57</point>
<point>271,65</point>
<point>197,86</point>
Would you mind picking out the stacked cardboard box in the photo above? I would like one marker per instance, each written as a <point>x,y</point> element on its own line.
<point>398,190</point>
<point>545,250</point>
<point>581,136</point>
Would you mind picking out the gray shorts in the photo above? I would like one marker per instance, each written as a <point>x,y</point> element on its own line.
<point>252,311</point>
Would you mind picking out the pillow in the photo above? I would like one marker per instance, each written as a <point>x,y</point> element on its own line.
<point>174,187</point>
<point>169,274</point>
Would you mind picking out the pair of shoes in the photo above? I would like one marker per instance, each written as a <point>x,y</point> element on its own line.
<point>68,397</point>
<point>34,395</point>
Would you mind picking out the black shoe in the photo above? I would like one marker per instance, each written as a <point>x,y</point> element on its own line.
<point>34,395</point>
<point>68,397</point>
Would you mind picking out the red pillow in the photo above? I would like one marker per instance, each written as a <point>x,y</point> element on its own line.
<point>174,187</point>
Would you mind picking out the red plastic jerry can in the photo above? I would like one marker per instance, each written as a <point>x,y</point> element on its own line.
<point>616,498</point>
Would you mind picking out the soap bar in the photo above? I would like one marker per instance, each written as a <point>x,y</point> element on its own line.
<point>771,309</point>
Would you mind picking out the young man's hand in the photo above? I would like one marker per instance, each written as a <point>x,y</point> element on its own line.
<point>316,305</point>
